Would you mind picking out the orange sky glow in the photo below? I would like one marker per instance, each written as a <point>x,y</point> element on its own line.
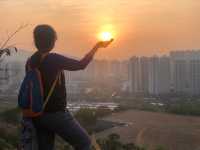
<point>139,27</point>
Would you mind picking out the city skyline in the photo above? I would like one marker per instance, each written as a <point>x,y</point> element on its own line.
<point>22,55</point>
<point>139,27</point>
<point>177,73</point>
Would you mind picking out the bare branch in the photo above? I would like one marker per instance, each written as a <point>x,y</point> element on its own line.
<point>12,35</point>
<point>7,33</point>
<point>4,49</point>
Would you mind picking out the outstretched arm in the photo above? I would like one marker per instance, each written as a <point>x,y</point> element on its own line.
<point>73,65</point>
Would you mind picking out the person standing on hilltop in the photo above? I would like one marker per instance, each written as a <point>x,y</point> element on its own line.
<point>56,119</point>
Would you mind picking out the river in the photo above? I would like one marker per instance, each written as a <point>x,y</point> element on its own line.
<point>75,106</point>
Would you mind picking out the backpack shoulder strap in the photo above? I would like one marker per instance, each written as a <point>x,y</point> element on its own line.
<point>51,90</point>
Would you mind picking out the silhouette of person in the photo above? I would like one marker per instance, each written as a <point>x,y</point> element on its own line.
<point>56,119</point>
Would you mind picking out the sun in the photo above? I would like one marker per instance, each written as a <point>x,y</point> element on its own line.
<point>105,36</point>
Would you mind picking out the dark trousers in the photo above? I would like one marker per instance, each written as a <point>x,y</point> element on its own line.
<point>64,125</point>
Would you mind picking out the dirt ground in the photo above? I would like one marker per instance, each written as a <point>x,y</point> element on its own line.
<point>173,132</point>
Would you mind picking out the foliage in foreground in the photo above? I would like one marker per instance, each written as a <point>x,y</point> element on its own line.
<point>88,117</point>
<point>9,132</point>
<point>11,116</point>
<point>112,142</point>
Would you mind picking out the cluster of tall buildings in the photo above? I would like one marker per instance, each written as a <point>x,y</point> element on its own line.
<point>178,73</point>
<point>98,73</point>
<point>100,70</point>
<point>104,73</point>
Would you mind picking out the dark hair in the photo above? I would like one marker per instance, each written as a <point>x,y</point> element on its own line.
<point>44,39</point>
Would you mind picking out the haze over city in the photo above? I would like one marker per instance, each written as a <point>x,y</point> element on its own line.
<point>138,27</point>
<point>130,79</point>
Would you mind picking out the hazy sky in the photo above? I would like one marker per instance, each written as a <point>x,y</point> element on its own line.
<point>140,27</point>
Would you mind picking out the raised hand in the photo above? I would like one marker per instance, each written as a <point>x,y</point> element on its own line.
<point>104,44</point>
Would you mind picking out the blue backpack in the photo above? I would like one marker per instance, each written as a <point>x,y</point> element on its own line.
<point>31,93</point>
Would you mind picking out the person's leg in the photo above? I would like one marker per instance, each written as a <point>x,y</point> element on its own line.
<point>73,133</point>
<point>45,138</point>
<point>63,124</point>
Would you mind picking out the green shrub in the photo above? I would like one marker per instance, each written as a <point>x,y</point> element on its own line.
<point>112,142</point>
<point>11,116</point>
<point>86,116</point>
<point>160,147</point>
<point>184,108</point>
<point>4,145</point>
<point>10,135</point>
